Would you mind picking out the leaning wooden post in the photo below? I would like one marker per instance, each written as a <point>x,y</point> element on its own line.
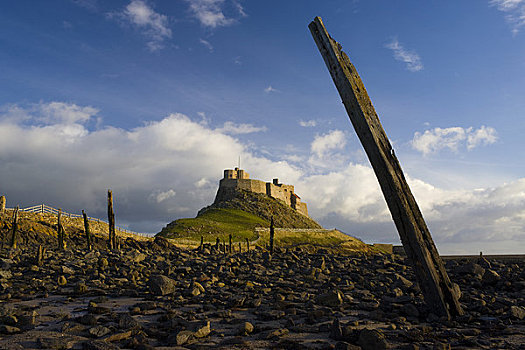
<point>87,231</point>
<point>60,231</point>
<point>272,233</point>
<point>14,228</point>
<point>111,223</point>
<point>417,241</point>
<point>2,204</point>
<point>230,243</point>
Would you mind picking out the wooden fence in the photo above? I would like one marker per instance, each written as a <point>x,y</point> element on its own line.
<point>46,209</point>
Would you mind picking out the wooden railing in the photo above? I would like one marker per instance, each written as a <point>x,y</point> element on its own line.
<point>46,209</point>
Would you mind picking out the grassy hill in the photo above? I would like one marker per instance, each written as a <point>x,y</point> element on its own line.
<point>243,211</point>
<point>213,223</point>
<point>264,207</point>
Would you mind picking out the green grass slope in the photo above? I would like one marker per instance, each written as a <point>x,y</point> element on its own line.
<point>213,223</point>
<point>264,207</point>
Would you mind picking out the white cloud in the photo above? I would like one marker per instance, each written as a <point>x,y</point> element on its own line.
<point>234,129</point>
<point>210,13</point>
<point>154,26</point>
<point>270,89</point>
<point>206,44</point>
<point>159,196</point>
<point>434,140</point>
<point>307,123</point>
<point>514,12</point>
<point>410,57</point>
<point>170,168</point>
<point>482,136</point>
<point>323,144</point>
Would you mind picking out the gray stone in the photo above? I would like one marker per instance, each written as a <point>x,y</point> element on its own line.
<point>490,277</point>
<point>331,298</point>
<point>99,331</point>
<point>517,312</point>
<point>161,285</point>
<point>245,328</point>
<point>372,339</point>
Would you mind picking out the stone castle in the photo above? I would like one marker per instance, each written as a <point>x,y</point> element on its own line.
<point>240,179</point>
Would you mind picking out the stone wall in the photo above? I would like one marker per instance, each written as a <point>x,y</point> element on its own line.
<point>239,179</point>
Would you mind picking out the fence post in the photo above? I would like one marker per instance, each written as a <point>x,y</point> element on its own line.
<point>60,231</point>
<point>14,228</point>
<point>2,204</point>
<point>86,229</point>
<point>111,222</point>
<point>272,233</point>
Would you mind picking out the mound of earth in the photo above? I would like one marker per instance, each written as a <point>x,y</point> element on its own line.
<point>264,207</point>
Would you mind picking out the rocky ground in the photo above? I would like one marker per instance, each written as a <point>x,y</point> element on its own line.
<point>154,295</point>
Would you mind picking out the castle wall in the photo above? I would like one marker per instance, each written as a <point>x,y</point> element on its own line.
<point>256,186</point>
<point>302,208</point>
<point>239,179</point>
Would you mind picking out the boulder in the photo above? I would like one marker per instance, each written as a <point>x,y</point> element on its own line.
<point>161,285</point>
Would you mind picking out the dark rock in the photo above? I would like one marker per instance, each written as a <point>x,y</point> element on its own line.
<point>161,285</point>
<point>490,277</point>
<point>331,298</point>
<point>372,339</point>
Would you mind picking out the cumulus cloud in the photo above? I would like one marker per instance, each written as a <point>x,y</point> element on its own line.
<point>308,123</point>
<point>434,140</point>
<point>210,13</point>
<point>514,12</point>
<point>170,168</point>
<point>153,25</point>
<point>234,129</point>
<point>323,144</point>
<point>410,57</point>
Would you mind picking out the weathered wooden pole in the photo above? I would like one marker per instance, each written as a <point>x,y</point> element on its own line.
<point>41,252</point>
<point>201,247</point>
<point>230,243</point>
<point>2,204</point>
<point>240,247</point>
<point>60,231</point>
<point>217,242</point>
<point>272,233</point>
<point>247,245</point>
<point>112,242</point>
<point>87,230</point>
<point>14,227</point>
<point>415,236</point>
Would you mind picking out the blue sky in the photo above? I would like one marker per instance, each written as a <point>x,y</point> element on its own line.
<point>155,98</point>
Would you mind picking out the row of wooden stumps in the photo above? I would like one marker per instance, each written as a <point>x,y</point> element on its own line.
<point>230,244</point>
<point>113,242</point>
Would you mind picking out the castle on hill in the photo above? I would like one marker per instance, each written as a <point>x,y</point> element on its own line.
<point>238,179</point>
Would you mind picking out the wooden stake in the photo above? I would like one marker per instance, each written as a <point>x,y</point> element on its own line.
<point>41,252</point>
<point>60,231</point>
<point>14,228</point>
<point>202,243</point>
<point>272,233</point>
<point>87,231</point>
<point>112,241</point>
<point>230,243</point>
<point>247,245</point>
<point>417,241</point>
<point>2,204</point>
